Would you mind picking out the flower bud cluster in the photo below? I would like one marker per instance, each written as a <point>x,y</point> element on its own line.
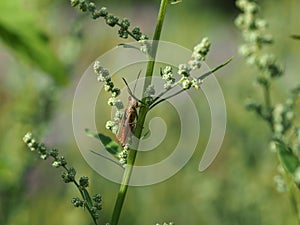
<point>280,183</point>
<point>104,76</point>
<point>254,34</point>
<point>41,149</point>
<point>110,19</point>
<point>149,93</point>
<point>184,70</point>
<point>168,76</point>
<point>123,155</point>
<point>284,115</point>
<point>145,45</point>
<point>93,204</point>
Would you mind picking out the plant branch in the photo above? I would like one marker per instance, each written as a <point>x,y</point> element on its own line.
<point>141,119</point>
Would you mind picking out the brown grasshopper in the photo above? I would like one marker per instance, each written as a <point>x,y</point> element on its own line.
<point>126,126</point>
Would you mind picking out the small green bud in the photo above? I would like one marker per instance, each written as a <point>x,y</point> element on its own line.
<point>289,115</point>
<point>56,164</point>
<point>123,155</point>
<point>167,69</point>
<point>42,148</point>
<point>44,156</point>
<point>77,202</point>
<point>53,152</point>
<point>125,23</point>
<point>118,115</point>
<point>111,101</point>
<point>169,84</point>
<point>91,6</point>
<point>136,30</point>
<point>263,81</point>
<point>103,74</point>
<point>97,67</point>
<point>195,63</point>
<point>239,21</point>
<point>186,84</point>
<point>96,14</point>
<point>123,33</point>
<point>107,88</point>
<point>97,198</point>
<point>261,24</point>
<point>123,161</point>
<point>119,104</point>
<point>247,50</point>
<point>63,161</point>
<point>27,138</point>
<point>110,124</point>
<point>150,91</point>
<point>280,183</point>
<point>103,12</point>
<point>33,145</point>
<point>196,83</point>
<point>184,70</point>
<point>250,104</point>
<point>74,3</point>
<point>84,181</point>
<point>149,100</point>
<point>202,48</point>
<point>112,20</point>
<point>115,92</point>
<point>83,6</point>
<point>98,206</point>
<point>69,176</point>
<point>115,129</point>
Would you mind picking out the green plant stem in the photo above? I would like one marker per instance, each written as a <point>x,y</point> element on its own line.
<point>84,197</point>
<point>268,106</point>
<point>292,191</point>
<point>156,37</point>
<point>141,119</point>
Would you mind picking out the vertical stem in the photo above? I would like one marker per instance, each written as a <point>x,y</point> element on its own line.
<point>267,95</point>
<point>268,105</point>
<point>156,37</point>
<point>141,119</point>
<point>292,191</point>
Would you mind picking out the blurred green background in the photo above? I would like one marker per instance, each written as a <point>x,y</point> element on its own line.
<point>45,48</point>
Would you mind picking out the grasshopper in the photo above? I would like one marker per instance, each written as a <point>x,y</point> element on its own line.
<point>126,126</point>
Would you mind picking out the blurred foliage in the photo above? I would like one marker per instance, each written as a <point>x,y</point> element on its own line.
<point>21,32</point>
<point>42,38</point>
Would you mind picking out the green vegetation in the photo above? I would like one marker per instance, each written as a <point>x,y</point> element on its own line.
<point>47,45</point>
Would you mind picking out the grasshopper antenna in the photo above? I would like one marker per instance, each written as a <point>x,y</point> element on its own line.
<point>129,90</point>
<point>138,77</point>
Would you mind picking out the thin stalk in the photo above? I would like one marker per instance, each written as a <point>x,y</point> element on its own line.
<point>267,115</point>
<point>84,198</point>
<point>156,37</point>
<point>141,119</point>
<point>293,196</point>
<point>267,95</point>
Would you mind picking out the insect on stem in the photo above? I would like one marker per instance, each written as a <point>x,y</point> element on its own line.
<point>126,126</point>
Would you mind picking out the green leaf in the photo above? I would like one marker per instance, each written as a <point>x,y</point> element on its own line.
<point>21,32</point>
<point>129,46</point>
<point>286,157</point>
<point>295,36</point>
<point>111,146</point>
<point>202,77</point>
<point>175,2</point>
